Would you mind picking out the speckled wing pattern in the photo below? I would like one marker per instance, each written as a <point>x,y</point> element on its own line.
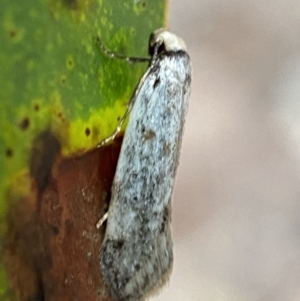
<point>136,254</point>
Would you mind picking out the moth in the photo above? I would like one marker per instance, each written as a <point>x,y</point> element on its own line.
<point>136,256</point>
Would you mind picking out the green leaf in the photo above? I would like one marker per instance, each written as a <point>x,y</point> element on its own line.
<point>56,81</point>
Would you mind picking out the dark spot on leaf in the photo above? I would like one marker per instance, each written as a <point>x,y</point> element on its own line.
<point>36,107</point>
<point>60,116</point>
<point>24,124</point>
<point>87,132</point>
<point>72,4</point>
<point>70,63</point>
<point>12,33</point>
<point>44,150</point>
<point>9,152</point>
<point>144,4</point>
<point>63,79</point>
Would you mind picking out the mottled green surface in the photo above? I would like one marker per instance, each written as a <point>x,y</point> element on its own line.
<point>53,76</point>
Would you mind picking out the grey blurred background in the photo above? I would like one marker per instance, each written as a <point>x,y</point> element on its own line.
<point>236,206</point>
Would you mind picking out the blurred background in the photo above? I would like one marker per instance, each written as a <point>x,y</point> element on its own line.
<point>236,206</point>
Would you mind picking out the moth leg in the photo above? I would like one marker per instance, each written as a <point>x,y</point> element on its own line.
<point>137,90</point>
<point>117,130</point>
<point>102,220</point>
<point>121,57</point>
<point>131,103</point>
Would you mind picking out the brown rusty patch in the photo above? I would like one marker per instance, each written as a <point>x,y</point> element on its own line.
<point>24,124</point>
<point>52,247</point>
<point>26,251</point>
<point>44,150</point>
<point>74,205</point>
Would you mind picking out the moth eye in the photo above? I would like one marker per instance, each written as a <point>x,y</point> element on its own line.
<point>156,43</point>
<point>161,48</point>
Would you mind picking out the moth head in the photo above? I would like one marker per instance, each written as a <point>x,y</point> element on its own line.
<point>163,40</point>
